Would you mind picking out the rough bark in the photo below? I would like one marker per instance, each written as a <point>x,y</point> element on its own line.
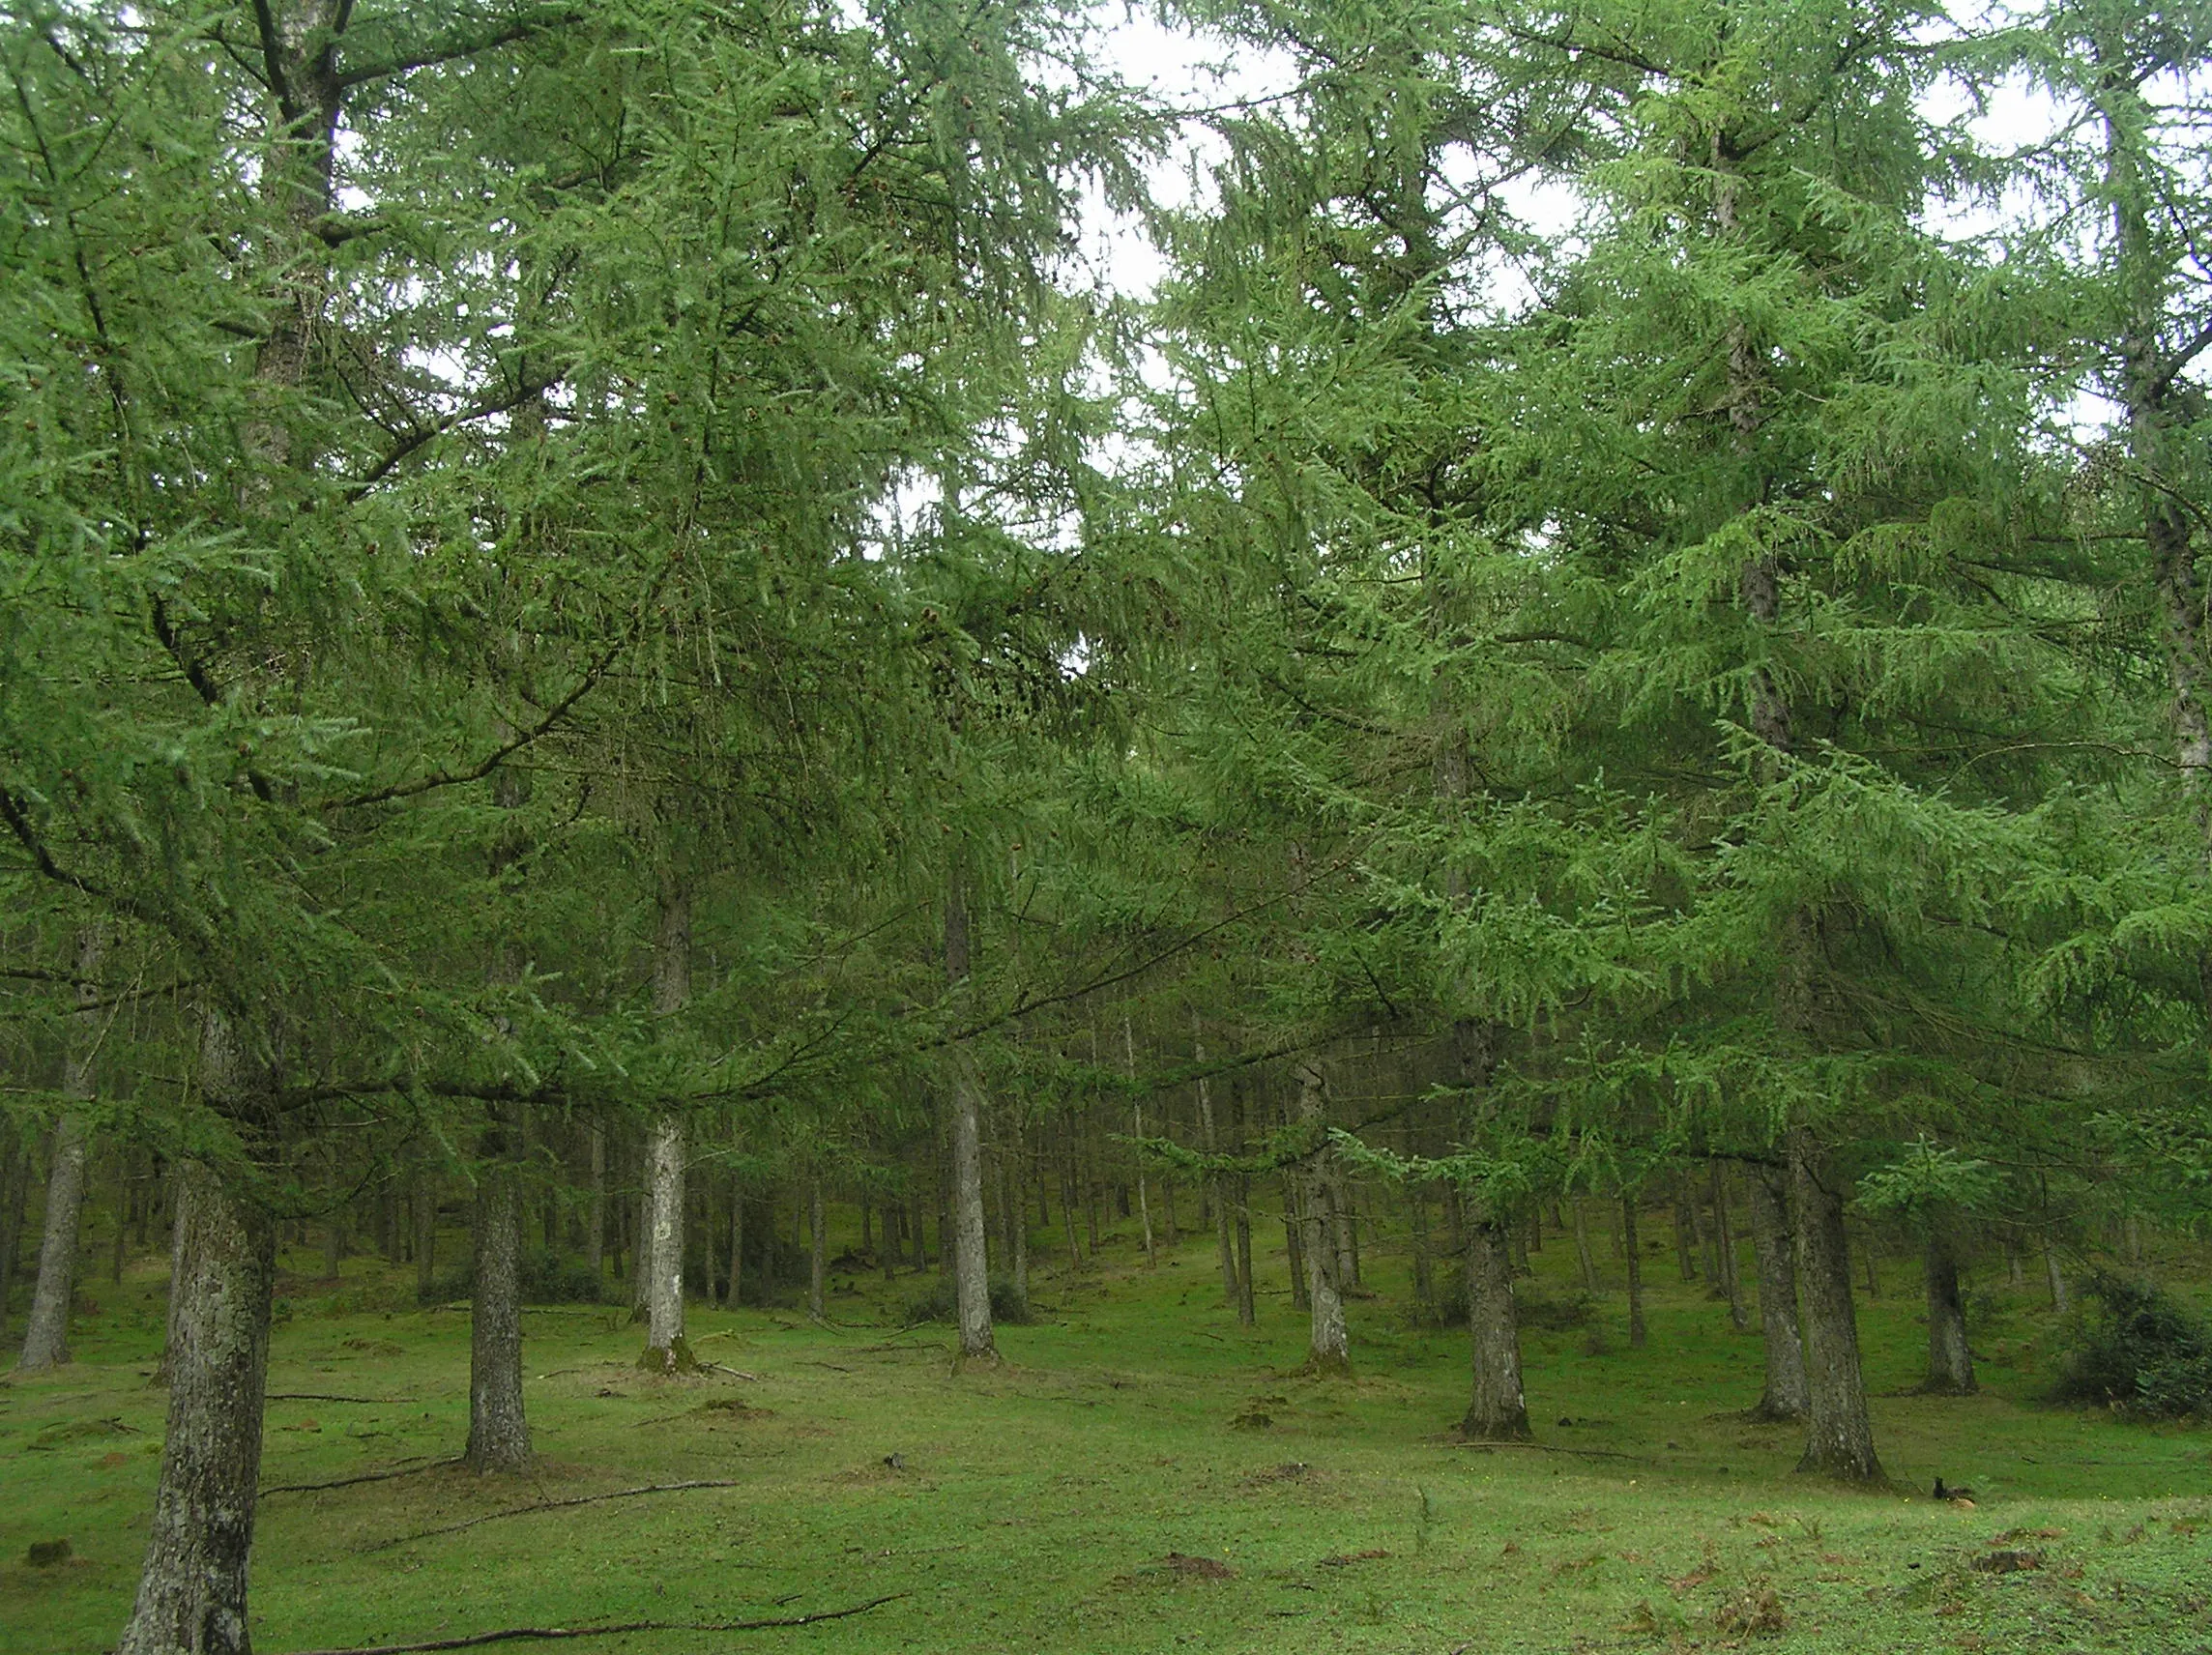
<point>1498,1411</point>
<point>662,1246</point>
<point>1950,1363</point>
<point>191,1589</point>
<point>46,1336</point>
<point>970,1262</point>
<point>1774,1247</point>
<point>1839,1435</point>
<point>499,1436</point>
<point>1328,1346</point>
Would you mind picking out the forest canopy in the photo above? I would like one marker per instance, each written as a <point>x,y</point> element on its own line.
<point>608,607</point>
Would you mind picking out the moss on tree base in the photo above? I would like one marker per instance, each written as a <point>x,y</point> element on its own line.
<point>675,1357</point>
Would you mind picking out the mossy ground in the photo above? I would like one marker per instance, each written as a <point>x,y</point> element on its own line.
<point>1065,1501</point>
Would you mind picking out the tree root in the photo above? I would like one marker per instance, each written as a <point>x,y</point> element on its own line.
<point>541,1634</point>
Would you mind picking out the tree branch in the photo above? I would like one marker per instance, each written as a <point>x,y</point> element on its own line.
<point>539,1634</point>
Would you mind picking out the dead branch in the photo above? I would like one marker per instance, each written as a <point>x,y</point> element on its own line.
<point>1550,1448</point>
<point>321,1396</point>
<point>548,1505</point>
<point>519,1633</point>
<point>348,1482</point>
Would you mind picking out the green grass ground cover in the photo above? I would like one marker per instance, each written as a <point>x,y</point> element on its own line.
<point>1143,1476</point>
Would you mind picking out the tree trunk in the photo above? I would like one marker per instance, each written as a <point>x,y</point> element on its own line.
<point>1225,1242</point>
<point>2060,1301</point>
<point>1328,1346</point>
<point>1724,1253</point>
<point>1685,1238</point>
<point>1417,1230</point>
<point>596,1214</point>
<point>191,1590</point>
<point>1583,1260</point>
<point>1773,1245</point>
<point>499,1436</point>
<point>1635,1255</point>
<point>1498,1411</point>
<point>1839,1441</point>
<point>1950,1363</point>
<point>45,1338</point>
<point>817,1252</point>
<point>1247,1306</point>
<point>1018,1237</point>
<point>971,1268</point>
<point>662,1246</point>
<point>426,1233</point>
<point>730,1290</point>
<point>15,1178</point>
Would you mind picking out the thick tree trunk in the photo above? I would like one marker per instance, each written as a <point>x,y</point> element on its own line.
<point>1838,1440</point>
<point>1773,1244</point>
<point>1329,1346</point>
<point>662,1247</point>
<point>1634,1252</point>
<point>1498,1411</point>
<point>45,1338</point>
<point>499,1436</point>
<point>972,1266</point>
<point>1950,1363</point>
<point>666,1351</point>
<point>192,1591</point>
<point>730,1291</point>
<point>817,1252</point>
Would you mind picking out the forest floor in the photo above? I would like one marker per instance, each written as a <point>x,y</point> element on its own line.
<point>1141,1476</point>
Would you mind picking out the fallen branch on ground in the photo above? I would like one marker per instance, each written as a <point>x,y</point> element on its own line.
<point>348,1482</point>
<point>520,1634</point>
<point>1552,1448</point>
<point>322,1396</point>
<point>547,1505</point>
